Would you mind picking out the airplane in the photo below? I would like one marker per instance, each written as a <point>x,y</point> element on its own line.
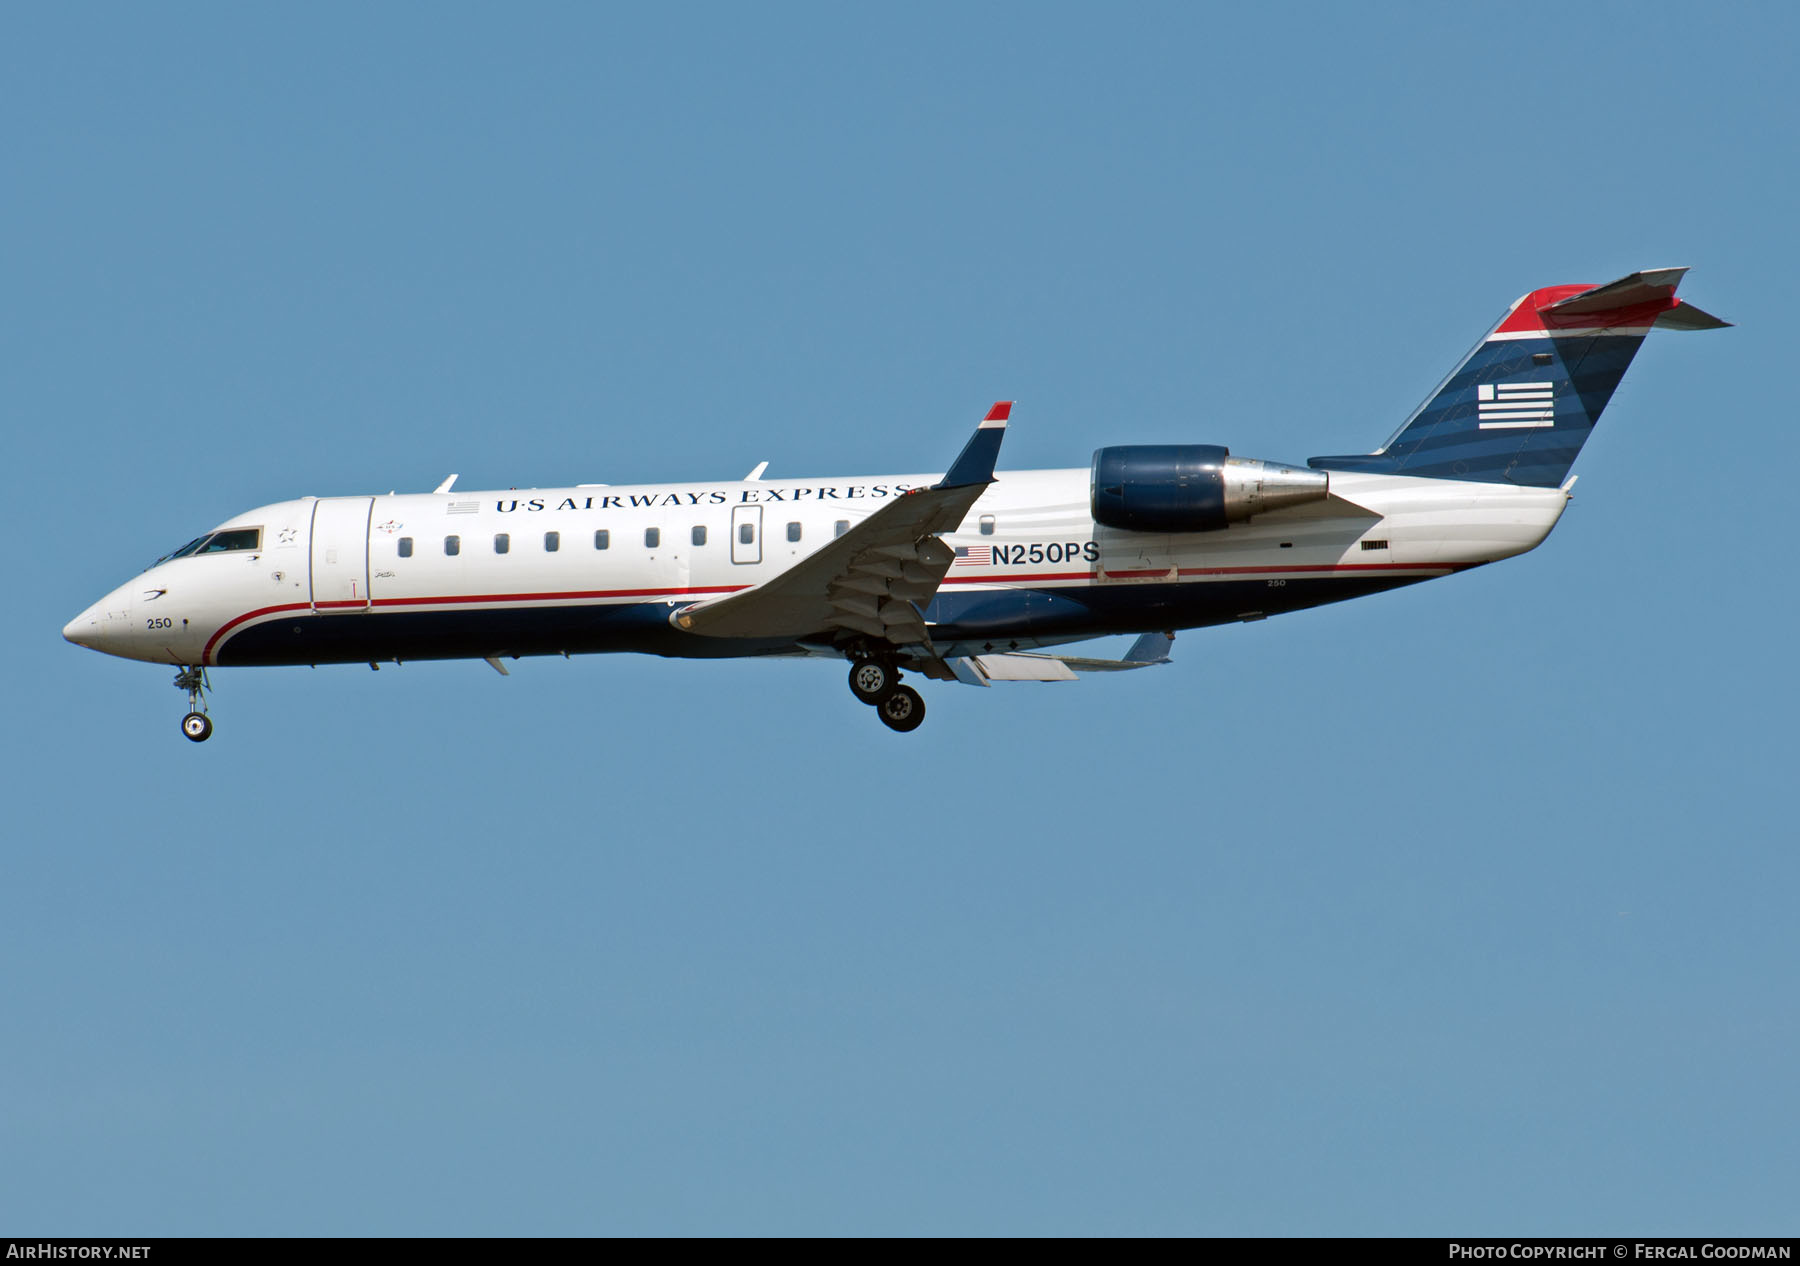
<point>967,576</point>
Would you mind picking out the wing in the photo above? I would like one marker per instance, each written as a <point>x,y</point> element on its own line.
<point>874,580</point>
<point>980,670</point>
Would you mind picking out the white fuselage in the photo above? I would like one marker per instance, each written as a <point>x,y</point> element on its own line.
<point>600,568</point>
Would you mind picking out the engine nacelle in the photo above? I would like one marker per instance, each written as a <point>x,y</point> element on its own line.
<point>1193,487</point>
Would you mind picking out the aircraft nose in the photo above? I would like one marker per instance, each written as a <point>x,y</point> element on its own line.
<point>105,626</point>
<point>84,628</point>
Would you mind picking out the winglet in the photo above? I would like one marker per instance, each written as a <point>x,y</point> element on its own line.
<point>443,487</point>
<point>1152,648</point>
<point>975,464</point>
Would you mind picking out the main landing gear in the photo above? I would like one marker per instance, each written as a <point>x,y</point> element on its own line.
<point>872,680</point>
<point>196,724</point>
<point>876,682</point>
<point>903,710</point>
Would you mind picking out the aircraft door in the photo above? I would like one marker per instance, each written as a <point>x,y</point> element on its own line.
<point>746,534</point>
<point>340,553</point>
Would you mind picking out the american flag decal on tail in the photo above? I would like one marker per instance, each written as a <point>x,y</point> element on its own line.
<point>1508,405</point>
<point>974,556</point>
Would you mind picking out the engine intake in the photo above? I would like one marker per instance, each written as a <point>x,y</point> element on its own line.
<point>1193,487</point>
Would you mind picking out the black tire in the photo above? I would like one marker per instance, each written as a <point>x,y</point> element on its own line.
<point>872,681</point>
<point>197,726</point>
<point>903,710</point>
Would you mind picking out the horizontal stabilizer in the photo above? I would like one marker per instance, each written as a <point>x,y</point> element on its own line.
<point>1627,292</point>
<point>1638,302</point>
<point>1688,317</point>
<point>1652,286</point>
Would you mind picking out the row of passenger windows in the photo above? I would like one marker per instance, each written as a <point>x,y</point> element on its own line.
<point>603,538</point>
<point>234,539</point>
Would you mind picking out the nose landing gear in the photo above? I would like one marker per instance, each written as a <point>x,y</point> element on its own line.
<point>196,724</point>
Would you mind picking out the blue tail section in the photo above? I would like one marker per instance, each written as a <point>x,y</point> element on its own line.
<point>1524,401</point>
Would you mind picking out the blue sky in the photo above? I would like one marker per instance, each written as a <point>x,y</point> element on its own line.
<point>1463,909</point>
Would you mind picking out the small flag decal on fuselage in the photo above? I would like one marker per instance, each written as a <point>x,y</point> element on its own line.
<point>1505,406</point>
<point>974,555</point>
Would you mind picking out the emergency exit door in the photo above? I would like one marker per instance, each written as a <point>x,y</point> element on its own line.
<point>746,534</point>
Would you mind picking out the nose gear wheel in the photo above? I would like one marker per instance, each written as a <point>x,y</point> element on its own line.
<point>197,725</point>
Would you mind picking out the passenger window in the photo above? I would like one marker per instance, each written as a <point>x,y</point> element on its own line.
<point>793,531</point>
<point>453,545</point>
<point>746,533</point>
<point>552,542</point>
<point>652,537</point>
<point>987,525</point>
<point>699,534</point>
<point>843,526</point>
<point>235,539</point>
<point>502,542</point>
<point>405,544</point>
<point>602,539</point>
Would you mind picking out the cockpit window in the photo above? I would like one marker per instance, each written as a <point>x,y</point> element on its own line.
<point>191,547</point>
<point>218,543</point>
<point>232,539</point>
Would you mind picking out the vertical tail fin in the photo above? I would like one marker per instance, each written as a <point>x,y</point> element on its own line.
<point>1523,402</point>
